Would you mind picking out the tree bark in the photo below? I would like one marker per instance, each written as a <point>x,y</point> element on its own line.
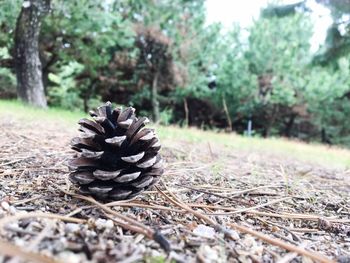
<point>228,117</point>
<point>289,125</point>
<point>154,98</point>
<point>30,86</point>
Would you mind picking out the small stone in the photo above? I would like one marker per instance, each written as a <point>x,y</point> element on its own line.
<point>104,224</point>
<point>109,224</point>
<point>71,227</point>
<point>205,231</point>
<point>68,256</point>
<point>13,210</point>
<point>207,253</point>
<point>100,223</point>
<point>5,205</point>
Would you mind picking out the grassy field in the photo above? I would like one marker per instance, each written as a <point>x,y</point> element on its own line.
<point>312,152</point>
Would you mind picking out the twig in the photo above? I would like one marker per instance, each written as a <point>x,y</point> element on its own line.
<point>157,207</point>
<point>36,240</point>
<point>299,216</point>
<point>276,242</point>
<point>9,219</point>
<point>295,237</point>
<point>14,251</point>
<point>199,215</point>
<point>243,210</point>
<point>130,224</point>
<point>277,215</point>
<point>183,206</point>
<point>211,193</point>
<point>290,256</point>
<point>16,161</point>
<point>301,251</point>
<point>20,202</point>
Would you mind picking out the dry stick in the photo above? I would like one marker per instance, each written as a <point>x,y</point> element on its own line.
<point>14,251</point>
<point>243,210</point>
<point>276,242</point>
<point>210,193</point>
<point>291,255</point>
<point>299,216</point>
<point>16,161</point>
<point>205,218</point>
<point>45,232</point>
<point>158,207</point>
<point>36,241</point>
<point>295,237</point>
<point>23,201</point>
<point>284,215</point>
<point>131,224</point>
<point>145,230</point>
<point>301,251</point>
<point>9,219</point>
<point>185,207</point>
<point>129,227</point>
<point>107,209</point>
<point>177,190</point>
<point>231,195</point>
<point>305,230</point>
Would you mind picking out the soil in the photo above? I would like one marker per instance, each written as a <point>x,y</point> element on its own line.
<point>301,209</point>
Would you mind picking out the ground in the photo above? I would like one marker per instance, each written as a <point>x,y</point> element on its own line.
<point>223,198</point>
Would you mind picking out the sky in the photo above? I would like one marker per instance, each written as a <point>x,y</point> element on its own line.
<point>245,11</point>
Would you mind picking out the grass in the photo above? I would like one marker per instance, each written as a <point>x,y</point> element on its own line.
<point>312,152</point>
<point>16,108</point>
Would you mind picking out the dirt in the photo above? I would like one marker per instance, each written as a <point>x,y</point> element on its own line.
<point>300,204</point>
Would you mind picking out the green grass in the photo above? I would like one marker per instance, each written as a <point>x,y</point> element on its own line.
<point>312,152</point>
<point>317,153</point>
<point>21,110</point>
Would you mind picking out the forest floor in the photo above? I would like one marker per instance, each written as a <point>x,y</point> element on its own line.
<point>223,198</point>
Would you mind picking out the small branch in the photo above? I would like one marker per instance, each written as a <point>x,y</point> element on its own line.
<point>276,242</point>
<point>301,251</point>
<point>9,219</point>
<point>290,256</point>
<point>128,224</point>
<point>247,209</point>
<point>14,251</point>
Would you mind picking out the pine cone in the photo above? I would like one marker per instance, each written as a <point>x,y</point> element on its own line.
<point>118,158</point>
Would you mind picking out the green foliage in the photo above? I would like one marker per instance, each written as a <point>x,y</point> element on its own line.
<point>327,94</point>
<point>8,16</point>
<point>113,50</point>
<point>166,116</point>
<point>63,92</point>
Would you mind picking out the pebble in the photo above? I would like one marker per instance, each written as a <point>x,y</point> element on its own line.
<point>104,224</point>
<point>5,205</point>
<point>68,256</point>
<point>72,227</point>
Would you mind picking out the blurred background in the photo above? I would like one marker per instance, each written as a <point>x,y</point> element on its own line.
<point>267,68</point>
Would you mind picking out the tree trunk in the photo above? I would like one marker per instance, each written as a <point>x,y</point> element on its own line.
<point>30,86</point>
<point>270,121</point>
<point>228,117</point>
<point>154,98</point>
<point>289,125</point>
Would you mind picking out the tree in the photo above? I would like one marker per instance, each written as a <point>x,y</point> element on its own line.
<point>337,42</point>
<point>30,86</point>
<point>279,52</point>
